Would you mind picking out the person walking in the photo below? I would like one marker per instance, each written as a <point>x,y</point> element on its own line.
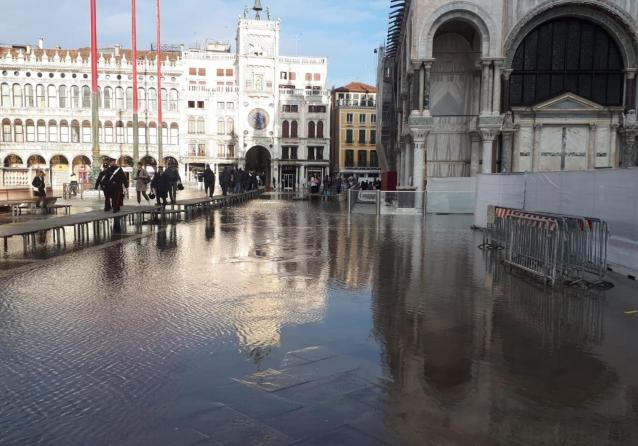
<point>172,175</point>
<point>224,181</point>
<point>159,185</point>
<point>40,189</point>
<point>102,183</point>
<point>142,179</point>
<point>117,183</point>
<point>209,181</point>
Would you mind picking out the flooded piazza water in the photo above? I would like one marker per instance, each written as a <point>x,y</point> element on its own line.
<point>283,322</point>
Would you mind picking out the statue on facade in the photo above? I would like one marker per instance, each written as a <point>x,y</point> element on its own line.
<point>246,11</point>
<point>268,12</point>
<point>629,120</point>
<point>508,121</point>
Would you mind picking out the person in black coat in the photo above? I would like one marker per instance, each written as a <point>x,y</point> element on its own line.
<point>209,181</point>
<point>224,180</point>
<point>40,188</point>
<point>160,185</point>
<point>102,183</point>
<point>117,184</point>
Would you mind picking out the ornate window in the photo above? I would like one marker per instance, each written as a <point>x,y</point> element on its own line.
<point>567,55</point>
<point>311,130</point>
<point>285,129</point>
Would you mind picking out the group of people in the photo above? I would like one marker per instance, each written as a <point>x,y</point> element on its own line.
<point>114,183</point>
<point>239,180</point>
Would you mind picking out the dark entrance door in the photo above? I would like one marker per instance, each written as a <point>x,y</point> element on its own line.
<point>258,161</point>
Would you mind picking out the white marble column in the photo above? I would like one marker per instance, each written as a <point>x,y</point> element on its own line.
<point>488,136</point>
<point>507,150</point>
<point>399,167</point>
<point>613,145</point>
<point>421,87</point>
<point>475,156</point>
<point>496,101</point>
<point>419,135</point>
<point>410,164</point>
<point>485,87</point>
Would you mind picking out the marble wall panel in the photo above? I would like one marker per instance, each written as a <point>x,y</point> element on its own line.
<point>603,148</point>
<point>522,159</point>
<point>576,147</point>
<point>550,148</point>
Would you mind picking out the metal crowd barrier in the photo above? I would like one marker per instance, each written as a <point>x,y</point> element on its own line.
<point>549,245</point>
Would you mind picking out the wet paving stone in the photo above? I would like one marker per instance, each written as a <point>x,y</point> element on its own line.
<point>253,401</point>
<point>344,435</point>
<point>271,380</point>
<point>324,389</point>
<point>318,419</point>
<point>229,427</point>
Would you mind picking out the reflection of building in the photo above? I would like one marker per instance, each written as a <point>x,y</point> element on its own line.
<point>477,355</point>
<point>502,85</point>
<point>354,130</point>
<point>217,104</point>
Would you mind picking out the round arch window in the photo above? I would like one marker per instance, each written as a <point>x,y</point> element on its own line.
<point>567,55</point>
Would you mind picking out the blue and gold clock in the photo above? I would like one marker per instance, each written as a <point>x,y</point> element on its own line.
<point>258,119</point>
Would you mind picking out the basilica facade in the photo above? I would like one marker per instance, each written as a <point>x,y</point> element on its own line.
<point>486,86</point>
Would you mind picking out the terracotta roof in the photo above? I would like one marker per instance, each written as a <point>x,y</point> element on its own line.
<point>84,53</point>
<point>357,87</point>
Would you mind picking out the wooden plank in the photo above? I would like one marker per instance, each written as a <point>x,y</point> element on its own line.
<point>30,227</point>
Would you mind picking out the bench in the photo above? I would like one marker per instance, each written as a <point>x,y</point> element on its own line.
<point>14,198</point>
<point>17,209</point>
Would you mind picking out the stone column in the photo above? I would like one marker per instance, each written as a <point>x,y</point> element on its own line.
<point>506,89</point>
<point>475,147</point>
<point>496,99</point>
<point>421,87</point>
<point>410,163</point>
<point>507,149</point>
<point>630,89</point>
<point>399,167</point>
<point>613,145</point>
<point>426,88</point>
<point>488,135</point>
<point>591,147</point>
<point>419,135</point>
<point>629,151</point>
<point>485,87</point>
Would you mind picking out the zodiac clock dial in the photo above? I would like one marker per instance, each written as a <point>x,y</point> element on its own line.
<point>258,119</point>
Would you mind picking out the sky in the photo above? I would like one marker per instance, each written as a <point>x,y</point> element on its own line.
<point>344,31</point>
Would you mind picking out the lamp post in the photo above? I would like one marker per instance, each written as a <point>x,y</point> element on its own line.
<point>95,130</point>
<point>136,133</point>
<point>160,153</point>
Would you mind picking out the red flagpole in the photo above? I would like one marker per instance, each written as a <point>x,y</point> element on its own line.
<point>159,87</point>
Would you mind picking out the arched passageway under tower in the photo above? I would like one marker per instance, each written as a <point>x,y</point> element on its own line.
<point>258,160</point>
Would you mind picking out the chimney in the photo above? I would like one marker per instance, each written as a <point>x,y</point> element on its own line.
<point>117,49</point>
<point>41,43</point>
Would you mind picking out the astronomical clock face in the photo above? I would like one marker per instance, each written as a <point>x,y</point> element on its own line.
<point>258,119</point>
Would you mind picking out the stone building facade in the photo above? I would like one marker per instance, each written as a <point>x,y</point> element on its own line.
<point>251,107</point>
<point>354,131</point>
<point>470,86</point>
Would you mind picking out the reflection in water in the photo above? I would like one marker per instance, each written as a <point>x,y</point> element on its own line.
<point>470,353</point>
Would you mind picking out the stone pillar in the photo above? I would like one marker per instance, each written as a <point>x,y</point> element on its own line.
<point>506,89</point>
<point>630,89</point>
<point>613,145</point>
<point>410,163</point>
<point>591,147</point>
<point>507,150</point>
<point>496,99</point>
<point>302,178</point>
<point>629,151</point>
<point>485,87</point>
<point>488,135</point>
<point>426,88</point>
<point>475,156</point>
<point>399,167</point>
<point>419,135</point>
<point>421,87</point>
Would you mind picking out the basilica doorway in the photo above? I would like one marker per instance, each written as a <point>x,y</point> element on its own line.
<point>258,160</point>
<point>455,87</point>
